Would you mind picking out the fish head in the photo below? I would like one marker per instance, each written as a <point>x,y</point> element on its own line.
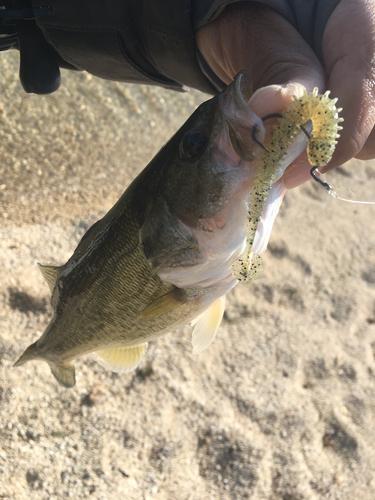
<point>216,155</point>
<point>198,217</point>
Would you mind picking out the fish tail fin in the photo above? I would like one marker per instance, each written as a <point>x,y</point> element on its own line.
<point>28,355</point>
<point>64,374</point>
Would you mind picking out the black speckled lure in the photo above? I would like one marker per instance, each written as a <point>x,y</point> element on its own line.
<point>315,112</point>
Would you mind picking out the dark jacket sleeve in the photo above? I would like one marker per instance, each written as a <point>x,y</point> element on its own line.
<point>152,41</point>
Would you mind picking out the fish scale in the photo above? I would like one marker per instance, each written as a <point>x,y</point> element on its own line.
<point>123,277</point>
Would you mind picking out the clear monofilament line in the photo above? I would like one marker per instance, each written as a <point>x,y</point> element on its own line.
<point>335,195</point>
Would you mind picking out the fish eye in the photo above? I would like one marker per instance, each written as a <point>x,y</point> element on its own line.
<point>193,145</point>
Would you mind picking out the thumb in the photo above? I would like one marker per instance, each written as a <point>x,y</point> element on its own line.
<point>254,37</point>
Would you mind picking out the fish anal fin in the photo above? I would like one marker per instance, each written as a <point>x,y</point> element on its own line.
<point>122,359</point>
<point>64,374</point>
<point>164,304</point>
<point>207,325</point>
<point>50,274</point>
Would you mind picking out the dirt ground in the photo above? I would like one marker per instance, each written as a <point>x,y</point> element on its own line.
<point>280,406</point>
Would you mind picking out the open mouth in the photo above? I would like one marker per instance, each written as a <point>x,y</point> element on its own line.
<point>241,120</point>
<point>247,134</point>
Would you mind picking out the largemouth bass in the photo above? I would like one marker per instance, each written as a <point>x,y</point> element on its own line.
<point>162,256</point>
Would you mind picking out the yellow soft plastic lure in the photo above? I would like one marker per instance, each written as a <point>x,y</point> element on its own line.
<point>321,111</point>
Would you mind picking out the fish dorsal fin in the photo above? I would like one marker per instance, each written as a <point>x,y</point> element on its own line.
<point>164,304</point>
<point>50,274</point>
<point>122,359</point>
<point>207,325</point>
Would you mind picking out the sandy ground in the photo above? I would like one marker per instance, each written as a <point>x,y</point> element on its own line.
<point>280,406</point>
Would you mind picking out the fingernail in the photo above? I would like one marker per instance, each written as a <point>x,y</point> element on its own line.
<point>292,90</point>
<point>275,89</point>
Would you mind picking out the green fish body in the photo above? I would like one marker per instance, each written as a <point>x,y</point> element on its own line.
<point>162,256</point>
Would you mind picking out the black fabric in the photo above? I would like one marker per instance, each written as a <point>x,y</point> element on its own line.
<point>152,41</point>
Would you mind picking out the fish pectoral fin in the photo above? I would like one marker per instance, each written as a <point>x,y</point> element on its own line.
<point>207,325</point>
<point>164,304</point>
<point>50,274</point>
<point>121,359</point>
<point>64,374</point>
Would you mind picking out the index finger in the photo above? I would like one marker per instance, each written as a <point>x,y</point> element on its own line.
<point>348,51</point>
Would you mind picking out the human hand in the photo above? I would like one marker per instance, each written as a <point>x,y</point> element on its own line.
<point>254,37</point>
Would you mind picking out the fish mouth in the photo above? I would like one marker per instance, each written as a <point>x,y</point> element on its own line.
<point>243,125</point>
<point>240,119</point>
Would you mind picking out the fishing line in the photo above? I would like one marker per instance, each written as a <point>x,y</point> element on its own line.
<point>333,193</point>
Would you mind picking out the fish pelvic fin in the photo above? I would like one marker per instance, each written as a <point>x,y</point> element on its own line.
<point>28,355</point>
<point>64,374</point>
<point>122,359</point>
<point>207,325</point>
<point>50,274</point>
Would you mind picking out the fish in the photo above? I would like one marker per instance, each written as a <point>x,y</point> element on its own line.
<point>162,256</point>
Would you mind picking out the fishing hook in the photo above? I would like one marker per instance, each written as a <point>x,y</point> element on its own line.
<point>273,115</point>
<point>316,178</point>
<point>306,132</point>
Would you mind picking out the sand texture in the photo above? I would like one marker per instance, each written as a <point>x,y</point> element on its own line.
<point>280,406</point>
